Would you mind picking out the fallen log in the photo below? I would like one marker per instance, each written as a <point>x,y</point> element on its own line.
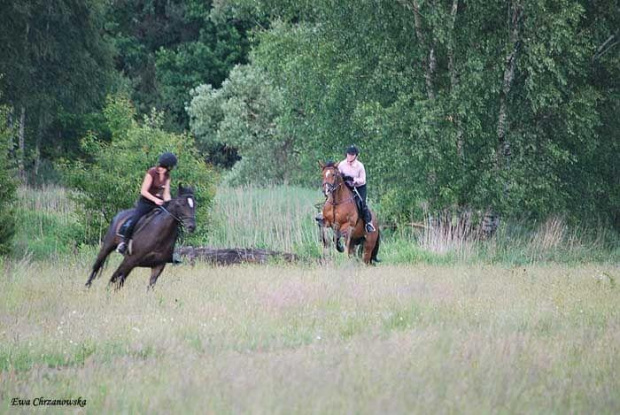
<point>231,256</point>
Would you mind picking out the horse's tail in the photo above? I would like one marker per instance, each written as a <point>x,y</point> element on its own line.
<point>375,250</point>
<point>99,266</point>
<point>106,249</point>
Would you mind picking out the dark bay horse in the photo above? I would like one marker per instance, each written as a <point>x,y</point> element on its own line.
<point>153,240</point>
<point>341,214</point>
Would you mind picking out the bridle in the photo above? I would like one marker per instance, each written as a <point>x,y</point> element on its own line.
<point>180,220</point>
<point>329,189</point>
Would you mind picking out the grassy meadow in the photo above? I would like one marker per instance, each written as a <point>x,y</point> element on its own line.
<point>433,329</point>
<point>339,338</point>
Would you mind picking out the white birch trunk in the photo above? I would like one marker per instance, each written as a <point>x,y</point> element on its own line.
<point>21,151</point>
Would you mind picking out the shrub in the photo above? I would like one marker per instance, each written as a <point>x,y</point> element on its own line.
<point>8,186</point>
<point>109,178</point>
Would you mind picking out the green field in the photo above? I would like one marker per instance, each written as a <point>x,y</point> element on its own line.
<point>338,338</point>
<point>525,323</point>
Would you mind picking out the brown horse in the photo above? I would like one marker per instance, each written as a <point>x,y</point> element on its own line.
<point>153,240</point>
<point>341,214</point>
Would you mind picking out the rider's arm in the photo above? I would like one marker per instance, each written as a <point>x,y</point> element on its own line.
<point>144,190</point>
<point>361,177</point>
<point>167,196</point>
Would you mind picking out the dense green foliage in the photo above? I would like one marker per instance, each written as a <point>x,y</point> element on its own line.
<point>479,105</point>
<point>60,58</point>
<point>244,114</point>
<point>8,186</point>
<point>56,67</point>
<point>109,179</point>
<point>461,109</point>
<point>165,48</point>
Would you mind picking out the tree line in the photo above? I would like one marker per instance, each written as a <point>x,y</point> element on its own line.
<point>507,107</point>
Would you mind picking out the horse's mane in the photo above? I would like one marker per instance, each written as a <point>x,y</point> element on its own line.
<point>333,164</point>
<point>184,191</point>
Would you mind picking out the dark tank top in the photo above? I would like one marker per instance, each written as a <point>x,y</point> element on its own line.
<point>157,187</point>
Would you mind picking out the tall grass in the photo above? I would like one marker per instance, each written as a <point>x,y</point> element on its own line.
<point>46,223</point>
<point>275,217</point>
<point>514,243</point>
<point>282,218</point>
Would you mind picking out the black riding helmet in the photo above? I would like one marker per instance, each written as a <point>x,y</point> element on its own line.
<point>168,160</point>
<point>352,150</point>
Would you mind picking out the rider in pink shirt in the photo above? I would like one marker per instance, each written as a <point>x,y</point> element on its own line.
<point>356,173</point>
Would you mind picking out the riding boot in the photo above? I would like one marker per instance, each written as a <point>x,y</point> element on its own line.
<point>368,219</point>
<point>123,247</point>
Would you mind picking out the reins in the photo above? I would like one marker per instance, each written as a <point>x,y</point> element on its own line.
<point>334,203</point>
<point>170,213</point>
<point>334,188</point>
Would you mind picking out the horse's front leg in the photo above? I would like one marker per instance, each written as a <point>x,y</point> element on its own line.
<point>337,236</point>
<point>155,273</point>
<point>323,235</point>
<point>121,273</point>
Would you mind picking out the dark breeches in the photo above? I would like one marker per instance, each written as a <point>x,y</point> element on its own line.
<point>362,191</point>
<point>363,206</point>
<point>143,207</point>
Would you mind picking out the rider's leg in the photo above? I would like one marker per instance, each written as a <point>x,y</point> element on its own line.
<point>142,208</point>
<point>366,216</point>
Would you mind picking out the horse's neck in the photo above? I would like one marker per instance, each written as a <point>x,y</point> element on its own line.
<point>166,220</point>
<point>343,193</point>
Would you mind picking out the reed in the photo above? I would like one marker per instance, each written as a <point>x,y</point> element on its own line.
<point>281,218</point>
<point>273,217</point>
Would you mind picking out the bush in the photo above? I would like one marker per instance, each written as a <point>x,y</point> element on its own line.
<point>109,178</point>
<point>8,186</point>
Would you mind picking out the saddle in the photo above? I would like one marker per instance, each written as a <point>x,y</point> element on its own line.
<point>348,181</point>
<point>141,223</point>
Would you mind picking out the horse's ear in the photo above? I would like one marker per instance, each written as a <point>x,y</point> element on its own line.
<point>180,189</point>
<point>321,164</point>
<point>336,165</point>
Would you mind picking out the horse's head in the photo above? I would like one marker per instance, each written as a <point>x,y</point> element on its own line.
<point>183,207</point>
<point>332,178</point>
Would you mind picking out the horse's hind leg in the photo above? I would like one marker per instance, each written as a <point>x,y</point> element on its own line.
<point>155,273</point>
<point>367,252</point>
<point>371,247</point>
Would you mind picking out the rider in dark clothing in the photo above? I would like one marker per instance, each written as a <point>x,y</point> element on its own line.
<point>155,191</point>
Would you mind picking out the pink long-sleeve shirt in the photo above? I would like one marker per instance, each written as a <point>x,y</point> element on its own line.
<point>355,170</point>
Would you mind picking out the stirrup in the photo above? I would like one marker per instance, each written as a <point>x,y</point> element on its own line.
<point>370,228</point>
<point>125,248</point>
<point>121,248</point>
